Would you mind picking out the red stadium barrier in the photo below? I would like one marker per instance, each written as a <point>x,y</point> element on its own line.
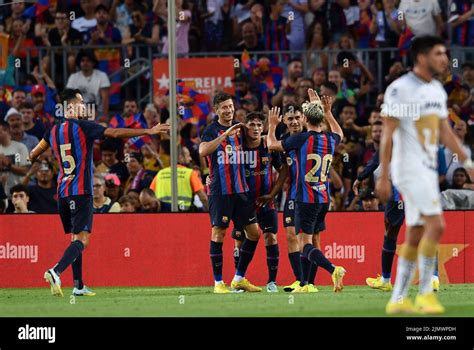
<point>173,250</point>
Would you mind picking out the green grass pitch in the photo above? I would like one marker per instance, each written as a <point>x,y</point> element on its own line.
<point>358,301</point>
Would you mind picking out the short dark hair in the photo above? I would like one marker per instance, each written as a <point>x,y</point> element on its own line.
<point>108,145</point>
<point>101,7</point>
<point>421,45</point>
<point>166,146</point>
<point>138,156</point>
<point>18,90</point>
<point>348,104</point>
<point>294,59</point>
<point>292,108</point>
<point>126,199</point>
<point>19,188</point>
<point>148,191</point>
<point>27,105</point>
<point>378,122</point>
<point>220,97</point>
<point>139,7</point>
<point>255,115</point>
<point>69,94</point>
<point>89,53</point>
<point>330,85</point>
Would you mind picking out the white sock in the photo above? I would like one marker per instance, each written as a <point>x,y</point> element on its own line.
<point>385,280</point>
<point>405,273</point>
<point>238,278</point>
<point>217,282</point>
<point>435,278</point>
<point>426,266</point>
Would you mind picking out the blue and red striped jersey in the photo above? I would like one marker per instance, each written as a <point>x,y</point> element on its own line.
<point>463,34</point>
<point>258,172</point>
<point>290,157</point>
<point>72,143</point>
<point>314,153</point>
<point>226,163</point>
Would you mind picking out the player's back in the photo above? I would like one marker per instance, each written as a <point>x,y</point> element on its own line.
<point>72,144</point>
<point>314,152</point>
<point>291,161</point>
<point>419,106</point>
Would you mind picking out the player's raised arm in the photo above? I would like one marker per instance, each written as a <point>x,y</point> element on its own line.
<point>274,118</point>
<point>327,102</point>
<point>38,150</point>
<point>450,140</point>
<point>383,186</point>
<point>123,133</point>
<point>206,148</point>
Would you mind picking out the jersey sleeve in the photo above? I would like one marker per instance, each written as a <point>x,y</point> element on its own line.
<point>336,137</point>
<point>92,130</point>
<point>276,160</point>
<point>393,99</point>
<point>47,135</point>
<point>293,142</point>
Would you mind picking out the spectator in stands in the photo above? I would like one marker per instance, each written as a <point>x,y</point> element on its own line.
<point>18,98</point>
<point>112,187</point>
<point>302,90</point>
<point>93,83</point>
<point>189,184</point>
<point>343,92</point>
<point>374,117</point>
<point>16,8</point>
<point>462,180</point>
<point>32,127</point>
<point>213,25</point>
<point>338,21</point>
<point>135,196</point>
<point>288,97</point>
<point>183,23</point>
<point>121,14</point>
<point>317,46</point>
<point>251,40</point>
<point>127,204</point>
<point>288,84</point>
<point>359,83</point>
<point>318,77</point>
<point>151,159</point>
<point>109,162</point>
<point>20,199</point>
<point>88,21</point>
<point>362,27</point>
<point>3,198</point>
<point>139,178</point>
<point>43,194</point>
<point>103,204</point>
<point>395,71</point>
<point>369,200</point>
<point>468,75</point>
<point>295,11</point>
<point>141,32</point>
<point>13,158</point>
<point>242,88</point>
<point>64,36</point>
<point>386,24</point>
<point>452,161</point>
<point>17,129</point>
<point>38,94</point>
<point>104,33</point>
<point>240,115</point>
<point>459,95</point>
<point>190,136</point>
<point>148,201</point>
<point>276,27</point>
<point>422,17</point>
<point>250,103</point>
<point>462,23</point>
<point>21,42</point>
<point>373,144</point>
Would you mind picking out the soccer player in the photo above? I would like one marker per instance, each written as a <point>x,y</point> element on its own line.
<point>415,119</point>
<point>292,118</point>
<point>262,192</point>
<point>72,142</point>
<point>222,145</point>
<point>314,153</point>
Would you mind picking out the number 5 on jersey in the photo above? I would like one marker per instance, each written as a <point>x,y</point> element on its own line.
<point>67,158</point>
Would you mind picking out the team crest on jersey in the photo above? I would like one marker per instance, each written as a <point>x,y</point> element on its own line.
<point>288,220</point>
<point>289,161</point>
<point>265,160</point>
<point>228,149</point>
<point>225,219</point>
<point>247,173</point>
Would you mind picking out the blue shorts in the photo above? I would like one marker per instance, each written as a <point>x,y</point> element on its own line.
<point>289,213</point>
<point>76,213</point>
<point>268,222</point>
<point>309,217</point>
<point>235,207</point>
<point>394,213</point>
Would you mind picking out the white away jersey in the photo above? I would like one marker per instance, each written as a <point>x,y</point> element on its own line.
<point>419,106</point>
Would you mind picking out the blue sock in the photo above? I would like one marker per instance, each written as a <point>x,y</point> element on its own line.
<point>316,256</point>
<point>273,257</point>
<point>216,260</point>
<point>247,250</point>
<point>312,273</point>
<point>295,262</point>
<point>388,253</point>
<point>70,254</point>
<point>305,266</point>
<point>77,272</point>
<point>435,273</point>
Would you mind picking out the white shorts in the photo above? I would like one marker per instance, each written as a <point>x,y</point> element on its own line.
<point>421,197</point>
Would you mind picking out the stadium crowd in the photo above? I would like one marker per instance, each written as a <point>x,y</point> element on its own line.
<point>133,176</point>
